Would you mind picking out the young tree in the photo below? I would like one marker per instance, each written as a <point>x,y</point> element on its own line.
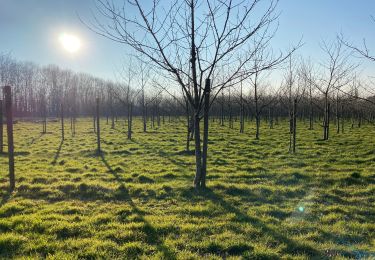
<point>307,73</point>
<point>336,72</point>
<point>262,100</point>
<point>193,41</point>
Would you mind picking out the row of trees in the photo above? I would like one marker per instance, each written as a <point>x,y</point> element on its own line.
<point>207,47</point>
<point>46,91</point>
<point>199,59</point>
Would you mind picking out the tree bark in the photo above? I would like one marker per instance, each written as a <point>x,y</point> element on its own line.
<point>187,126</point>
<point>222,109</point>
<point>342,118</point>
<point>144,115</point>
<point>294,125</point>
<point>1,127</point>
<point>62,122</point>
<point>205,132</point>
<point>198,154</point>
<point>98,125</point>
<point>257,113</point>
<point>130,114</point>
<point>9,115</point>
<point>337,116</point>
<point>271,117</point>
<point>326,118</point>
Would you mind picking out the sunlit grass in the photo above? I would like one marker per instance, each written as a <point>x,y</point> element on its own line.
<point>137,200</point>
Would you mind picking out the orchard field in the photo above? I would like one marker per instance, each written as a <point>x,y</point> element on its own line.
<point>136,199</point>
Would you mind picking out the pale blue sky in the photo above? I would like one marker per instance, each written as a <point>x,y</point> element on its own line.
<point>29,29</point>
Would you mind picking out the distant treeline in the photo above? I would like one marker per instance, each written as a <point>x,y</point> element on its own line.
<point>44,89</point>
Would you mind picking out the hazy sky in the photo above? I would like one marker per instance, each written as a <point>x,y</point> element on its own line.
<point>30,30</point>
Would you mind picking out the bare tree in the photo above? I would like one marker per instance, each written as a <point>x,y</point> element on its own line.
<point>295,83</point>
<point>307,72</point>
<point>193,41</point>
<point>336,72</point>
<point>261,99</point>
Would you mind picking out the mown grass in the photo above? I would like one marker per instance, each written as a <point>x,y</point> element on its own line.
<point>136,200</point>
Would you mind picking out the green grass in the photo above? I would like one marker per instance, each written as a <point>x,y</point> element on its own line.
<point>137,200</point>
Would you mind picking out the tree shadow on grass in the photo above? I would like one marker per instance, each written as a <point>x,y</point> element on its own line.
<point>57,155</point>
<point>153,237</point>
<point>292,246</point>
<point>179,163</point>
<point>34,139</point>
<point>5,198</point>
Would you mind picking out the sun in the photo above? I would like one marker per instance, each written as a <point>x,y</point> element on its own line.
<point>70,42</point>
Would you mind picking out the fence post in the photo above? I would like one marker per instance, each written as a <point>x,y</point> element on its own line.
<point>98,125</point>
<point>1,126</point>
<point>9,116</point>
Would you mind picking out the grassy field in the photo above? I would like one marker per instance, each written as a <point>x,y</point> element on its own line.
<point>137,200</point>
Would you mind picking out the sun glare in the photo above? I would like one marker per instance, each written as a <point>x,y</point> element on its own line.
<point>70,43</point>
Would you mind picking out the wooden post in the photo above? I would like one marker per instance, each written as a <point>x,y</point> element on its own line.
<point>1,126</point>
<point>98,125</point>
<point>9,115</point>
<point>62,122</point>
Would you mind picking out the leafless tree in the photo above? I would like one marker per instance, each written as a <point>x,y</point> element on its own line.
<point>193,41</point>
<point>336,72</point>
<point>307,74</point>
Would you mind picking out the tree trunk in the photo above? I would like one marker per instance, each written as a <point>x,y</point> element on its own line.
<point>337,116</point>
<point>9,115</point>
<point>241,112</point>
<point>94,124</point>
<point>270,117</point>
<point>62,122</point>
<point>144,115</point>
<point>98,125</point>
<point>153,118</point>
<point>294,125</point>
<point>257,113</point>
<point>242,123</point>
<point>326,118</point>
<point>112,115</point>
<point>311,114</point>
<point>198,154</point>
<point>1,127</point>
<point>130,112</point>
<point>74,125</point>
<point>158,115</point>
<point>188,126</point>
<point>222,109</point>
<point>43,109</point>
<point>230,111</point>
<point>205,132</point>
<point>359,119</point>
<point>342,118</point>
